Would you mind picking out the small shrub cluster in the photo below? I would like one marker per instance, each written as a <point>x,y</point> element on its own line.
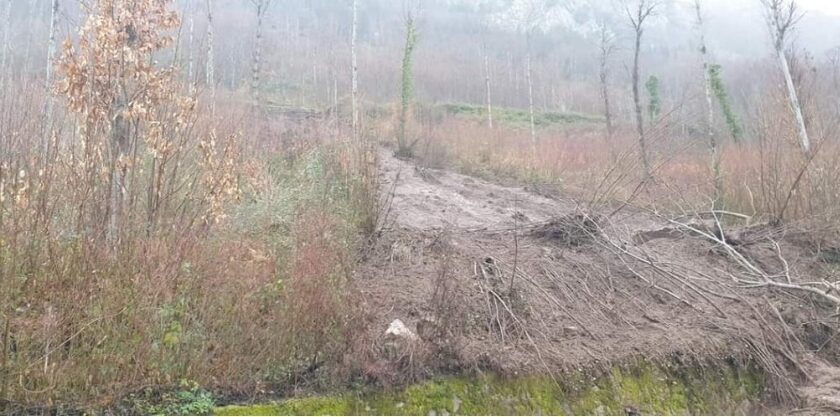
<point>188,399</point>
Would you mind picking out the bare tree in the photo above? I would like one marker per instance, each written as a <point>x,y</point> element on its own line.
<point>533,15</point>
<point>782,16</point>
<point>51,44</point>
<point>190,53</point>
<point>607,47</point>
<point>407,83</point>
<point>354,69</point>
<point>487,86</point>
<point>262,7</point>
<point>527,17</point>
<point>210,77</point>
<point>710,114</point>
<point>5,62</point>
<point>529,76</point>
<point>48,104</point>
<point>31,19</point>
<point>638,16</point>
<point>833,57</point>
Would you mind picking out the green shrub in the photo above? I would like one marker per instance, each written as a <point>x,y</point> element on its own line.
<point>188,400</point>
<point>719,89</point>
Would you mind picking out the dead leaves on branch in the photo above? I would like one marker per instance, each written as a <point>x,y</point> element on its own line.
<point>220,177</point>
<point>133,115</point>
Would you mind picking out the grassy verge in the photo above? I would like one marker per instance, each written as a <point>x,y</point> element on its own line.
<point>646,388</point>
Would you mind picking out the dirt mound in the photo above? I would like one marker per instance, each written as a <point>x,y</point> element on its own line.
<point>499,278</point>
<point>571,230</point>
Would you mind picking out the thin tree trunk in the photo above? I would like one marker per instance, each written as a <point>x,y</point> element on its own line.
<point>354,75</point>
<point>210,77</point>
<point>5,63</point>
<point>27,57</point>
<point>191,55</point>
<point>510,77</point>
<point>255,69</point>
<point>637,103</point>
<point>605,53</point>
<point>119,149</point>
<point>487,85</point>
<point>51,44</point>
<point>605,92</point>
<point>234,73</point>
<point>48,104</point>
<point>530,96</point>
<point>794,100</point>
<point>404,148</point>
<point>783,16</point>
<point>710,114</point>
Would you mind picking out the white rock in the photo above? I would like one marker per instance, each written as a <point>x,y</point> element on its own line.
<point>399,329</point>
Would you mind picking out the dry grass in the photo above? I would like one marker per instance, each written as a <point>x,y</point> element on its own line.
<point>766,177</point>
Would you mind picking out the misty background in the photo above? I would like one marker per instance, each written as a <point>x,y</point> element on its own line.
<point>306,49</point>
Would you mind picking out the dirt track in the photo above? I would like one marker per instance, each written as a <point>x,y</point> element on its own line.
<point>580,296</point>
<point>426,199</point>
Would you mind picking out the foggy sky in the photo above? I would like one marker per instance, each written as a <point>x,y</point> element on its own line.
<point>829,7</point>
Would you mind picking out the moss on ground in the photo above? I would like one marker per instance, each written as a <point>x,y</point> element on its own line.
<point>643,387</point>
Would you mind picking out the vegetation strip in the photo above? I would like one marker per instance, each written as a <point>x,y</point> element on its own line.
<point>676,389</point>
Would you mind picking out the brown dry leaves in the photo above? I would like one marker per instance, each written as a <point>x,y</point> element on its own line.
<point>133,115</point>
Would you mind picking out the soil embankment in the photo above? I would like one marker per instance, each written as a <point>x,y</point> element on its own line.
<point>498,278</point>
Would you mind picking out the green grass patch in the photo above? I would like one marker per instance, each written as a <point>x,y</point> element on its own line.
<point>519,118</point>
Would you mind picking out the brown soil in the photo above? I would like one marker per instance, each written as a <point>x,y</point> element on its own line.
<point>587,290</point>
